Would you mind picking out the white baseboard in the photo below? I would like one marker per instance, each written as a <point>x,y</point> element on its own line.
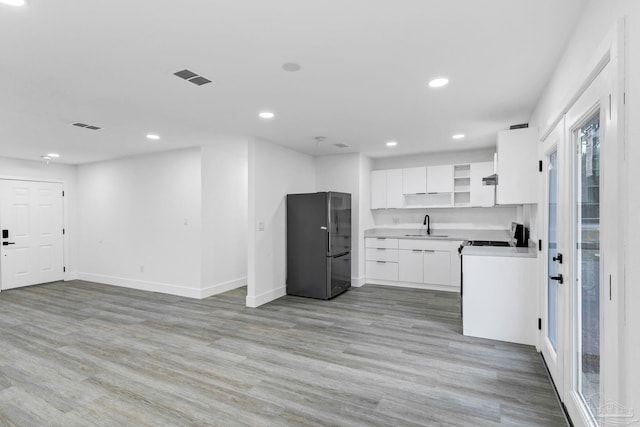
<point>223,287</point>
<point>357,282</point>
<point>71,275</point>
<point>414,285</point>
<point>258,300</point>
<point>142,285</point>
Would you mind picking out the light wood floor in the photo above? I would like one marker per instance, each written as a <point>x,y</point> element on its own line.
<point>81,354</point>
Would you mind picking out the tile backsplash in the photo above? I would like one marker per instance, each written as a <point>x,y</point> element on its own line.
<point>495,218</point>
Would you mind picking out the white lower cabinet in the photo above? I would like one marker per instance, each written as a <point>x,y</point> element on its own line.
<point>437,267</point>
<point>418,263</point>
<point>410,265</point>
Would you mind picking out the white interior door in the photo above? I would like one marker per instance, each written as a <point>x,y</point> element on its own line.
<point>31,219</point>
<point>555,211</point>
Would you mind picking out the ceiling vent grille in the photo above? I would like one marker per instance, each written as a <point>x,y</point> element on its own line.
<point>192,77</point>
<point>86,126</point>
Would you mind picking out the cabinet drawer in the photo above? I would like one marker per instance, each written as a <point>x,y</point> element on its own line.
<point>382,270</point>
<point>382,254</point>
<point>433,245</point>
<point>381,242</point>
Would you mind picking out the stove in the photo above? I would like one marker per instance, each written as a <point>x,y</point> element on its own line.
<point>487,243</point>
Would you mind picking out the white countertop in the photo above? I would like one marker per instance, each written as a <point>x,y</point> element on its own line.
<point>439,234</point>
<point>500,251</point>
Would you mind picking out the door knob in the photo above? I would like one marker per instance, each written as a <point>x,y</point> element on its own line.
<point>8,243</point>
<point>558,278</point>
<point>558,258</point>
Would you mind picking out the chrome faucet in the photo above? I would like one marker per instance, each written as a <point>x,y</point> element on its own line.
<point>427,222</point>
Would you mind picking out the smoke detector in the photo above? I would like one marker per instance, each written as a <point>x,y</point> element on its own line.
<point>292,67</point>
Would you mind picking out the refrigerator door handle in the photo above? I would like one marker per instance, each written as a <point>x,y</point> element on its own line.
<point>329,224</point>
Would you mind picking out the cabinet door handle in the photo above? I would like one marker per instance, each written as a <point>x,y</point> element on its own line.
<point>381,262</point>
<point>416,250</point>
<point>382,249</point>
<point>429,250</point>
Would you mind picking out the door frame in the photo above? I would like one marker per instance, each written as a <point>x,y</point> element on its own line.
<point>67,274</point>
<point>554,359</point>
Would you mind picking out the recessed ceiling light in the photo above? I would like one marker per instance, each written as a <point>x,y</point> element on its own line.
<point>153,136</point>
<point>439,82</point>
<point>458,136</point>
<point>392,144</point>
<point>266,115</point>
<point>14,2</point>
<point>53,155</point>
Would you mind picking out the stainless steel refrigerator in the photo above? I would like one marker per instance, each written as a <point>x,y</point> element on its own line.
<point>318,244</point>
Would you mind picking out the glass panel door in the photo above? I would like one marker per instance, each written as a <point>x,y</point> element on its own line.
<point>555,211</point>
<point>587,262</point>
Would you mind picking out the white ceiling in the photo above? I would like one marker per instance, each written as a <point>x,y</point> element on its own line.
<point>365,68</point>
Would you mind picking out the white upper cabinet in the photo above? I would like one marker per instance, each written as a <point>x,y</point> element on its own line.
<point>517,167</point>
<point>378,189</point>
<point>414,180</point>
<point>395,198</point>
<point>386,189</point>
<point>481,195</point>
<point>440,179</point>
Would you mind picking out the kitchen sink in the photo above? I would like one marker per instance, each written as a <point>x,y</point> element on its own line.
<point>426,235</point>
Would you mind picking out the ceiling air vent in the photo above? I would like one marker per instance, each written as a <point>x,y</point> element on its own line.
<point>192,77</point>
<point>86,126</point>
<point>341,145</point>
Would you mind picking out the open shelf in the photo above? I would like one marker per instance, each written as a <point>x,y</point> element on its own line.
<point>461,171</point>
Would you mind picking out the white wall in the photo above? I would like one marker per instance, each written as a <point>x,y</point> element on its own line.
<point>341,172</point>
<point>597,20</point>
<point>429,159</point>
<point>274,172</point>
<point>366,217</point>
<point>39,170</point>
<point>224,215</point>
<point>140,222</point>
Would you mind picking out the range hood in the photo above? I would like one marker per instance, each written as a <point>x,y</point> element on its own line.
<point>490,180</point>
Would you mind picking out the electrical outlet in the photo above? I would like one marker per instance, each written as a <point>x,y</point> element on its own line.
<point>261,226</point>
